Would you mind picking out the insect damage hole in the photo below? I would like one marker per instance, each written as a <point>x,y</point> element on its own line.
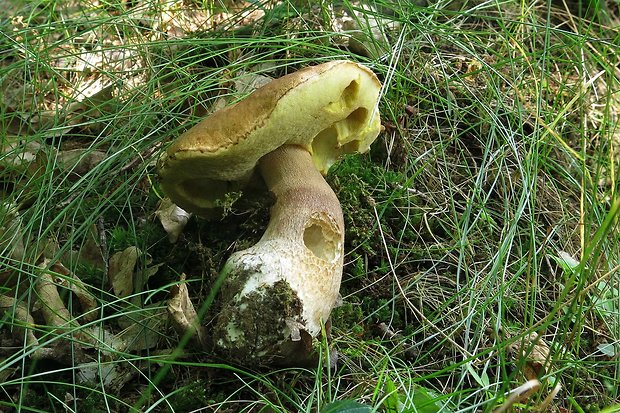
<point>321,241</point>
<point>349,94</point>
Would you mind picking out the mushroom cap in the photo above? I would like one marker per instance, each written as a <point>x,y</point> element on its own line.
<point>329,109</point>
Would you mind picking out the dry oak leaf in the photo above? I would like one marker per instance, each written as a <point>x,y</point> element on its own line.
<point>536,354</point>
<point>183,314</point>
<point>172,218</point>
<point>121,271</point>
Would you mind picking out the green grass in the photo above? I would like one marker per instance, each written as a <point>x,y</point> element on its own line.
<point>500,156</point>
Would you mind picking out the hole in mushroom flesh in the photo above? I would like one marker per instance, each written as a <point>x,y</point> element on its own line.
<point>349,94</point>
<point>327,146</point>
<point>357,118</point>
<point>323,241</point>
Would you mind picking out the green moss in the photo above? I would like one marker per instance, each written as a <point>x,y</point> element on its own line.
<point>193,396</point>
<point>369,194</point>
<point>249,329</point>
<point>349,317</point>
<point>121,238</point>
<point>348,314</point>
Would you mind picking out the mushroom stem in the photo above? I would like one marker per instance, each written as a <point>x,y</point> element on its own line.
<point>280,291</point>
<point>302,196</point>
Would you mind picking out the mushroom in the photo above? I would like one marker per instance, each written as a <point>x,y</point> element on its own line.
<point>278,294</point>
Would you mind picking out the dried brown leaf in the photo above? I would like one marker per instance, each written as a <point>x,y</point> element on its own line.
<point>90,251</point>
<point>88,302</point>
<point>172,218</point>
<point>78,162</point>
<point>52,307</point>
<point>248,82</point>
<point>519,395</point>
<point>536,353</point>
<point>121,271</point>
<point>22,322</point>
<point>183,314</point>
<point>11,237</point>
<point>20,159</point>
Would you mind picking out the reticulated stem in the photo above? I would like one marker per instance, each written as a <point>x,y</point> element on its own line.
<point>302,198</point>
<point>280,291</point>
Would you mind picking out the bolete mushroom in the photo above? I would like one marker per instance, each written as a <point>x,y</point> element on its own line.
<point>279,292</point>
